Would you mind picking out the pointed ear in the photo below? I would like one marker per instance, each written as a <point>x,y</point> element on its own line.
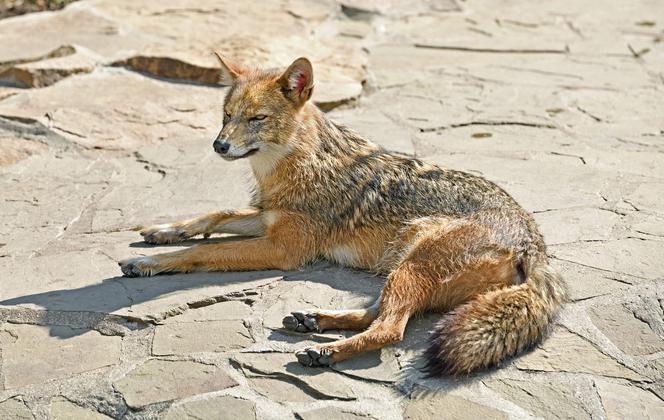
<point>298,81</point>
<point>230,71</point>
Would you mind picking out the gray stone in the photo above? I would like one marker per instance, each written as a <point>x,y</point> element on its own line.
<point>572,225</point>
<point>546,400</point>
<point>34,354</point>
<point>14,408</point>
<point>628,401</point>
<point>195,337</point>
<point>161,380</point>
<point>378,365</point>
<point>224,407</point>
<point>568,352</point>
<point>222,311</point>
<point>454,407</point>
<point>51,70</point>
<point>279,390</point>
<point>560,104</point>
<point>62,409</point>
<point>625,256</point>
<point>319,383</point>
<point>331,413</point>
<point>627,332</point>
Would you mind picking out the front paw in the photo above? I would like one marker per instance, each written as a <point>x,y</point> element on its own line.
<point>138,267</point>
<point>164,234</point>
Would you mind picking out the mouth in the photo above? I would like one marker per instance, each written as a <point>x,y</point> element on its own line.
<point>249,153</point>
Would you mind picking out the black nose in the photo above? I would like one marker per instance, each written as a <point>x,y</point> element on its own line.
<point>221,147</point>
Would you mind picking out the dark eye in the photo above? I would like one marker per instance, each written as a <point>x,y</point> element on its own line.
<point>258,118</point>
<point>227,114</point>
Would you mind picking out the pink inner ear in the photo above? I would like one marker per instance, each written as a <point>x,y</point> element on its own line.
<point>301,81</point>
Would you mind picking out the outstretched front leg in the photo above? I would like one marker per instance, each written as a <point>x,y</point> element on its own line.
<point>243,222</point>
<point>288,243</point>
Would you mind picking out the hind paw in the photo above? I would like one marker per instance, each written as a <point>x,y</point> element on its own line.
<point>301,321</point>
<point>314,357</point>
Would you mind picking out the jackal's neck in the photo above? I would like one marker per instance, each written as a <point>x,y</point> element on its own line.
<point>318,150</point>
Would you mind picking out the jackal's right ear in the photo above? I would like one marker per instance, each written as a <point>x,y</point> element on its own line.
<point>298,81</point>
<point>230,71</point>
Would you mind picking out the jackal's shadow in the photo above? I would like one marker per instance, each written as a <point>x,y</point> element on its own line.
<point>140,298</point>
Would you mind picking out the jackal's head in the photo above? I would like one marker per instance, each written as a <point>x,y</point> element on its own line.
<point>262,108</point>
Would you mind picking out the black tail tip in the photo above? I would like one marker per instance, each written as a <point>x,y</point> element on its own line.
<point>438,362</point>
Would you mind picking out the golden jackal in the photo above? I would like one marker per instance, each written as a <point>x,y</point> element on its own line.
<point>446,240</point>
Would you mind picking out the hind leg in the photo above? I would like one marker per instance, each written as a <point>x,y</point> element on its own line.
<point>446,265</point>
<point>402,296</point>
<point>321,320</point>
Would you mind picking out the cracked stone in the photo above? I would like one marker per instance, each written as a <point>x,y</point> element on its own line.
<point>318,383</point>
<point>146,113</point>
<point>628,401</point>
<point>546,400</point>
<point>161,380</point>
<point>586,283</point>
<point>629,256</point>
<point>36,74</point>
<point>628,333</point>
<point>279,390</point>
<point>567,352</point>
<point>330,413</point>
<point>14,408</point>
<point>378,365</point>
<point>572,225</point>
<point>194,337</point>
<point>222,311</point>
<point>35,354</point>
<point>224,407</point>
<point>431,406</point>
<point>62,409</point>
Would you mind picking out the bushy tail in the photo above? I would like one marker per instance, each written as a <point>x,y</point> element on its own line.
<point>499,324</point>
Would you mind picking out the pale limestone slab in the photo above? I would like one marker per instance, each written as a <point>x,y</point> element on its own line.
<point>35,354</point>
<point>162,380</point>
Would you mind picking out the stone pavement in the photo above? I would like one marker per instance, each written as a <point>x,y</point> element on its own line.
<point>108,109</point>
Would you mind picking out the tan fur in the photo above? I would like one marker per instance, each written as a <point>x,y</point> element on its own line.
<point>447,241</point>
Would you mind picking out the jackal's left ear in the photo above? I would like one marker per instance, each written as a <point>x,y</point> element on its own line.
<point>230,71</point>
<point>298,81</point>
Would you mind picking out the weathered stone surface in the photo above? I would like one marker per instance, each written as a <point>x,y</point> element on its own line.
<point>451,405</point>
<point>62,409</point>
<point>14,408</point>
<point>628,401</point>
<point>194,337</point>
<point>630,334</point>
<point>51,70</point>
<point>573,225</point>
<point>568,352</point>
<point>560,104</point>
<point>224,407</point>
<point>319,383</point>
<point>330,413</point>
<point>378,365</point>
<point>628,256</point>
<point>33,354</point>
<point>222,311</point>
<point>162,380</point>
<point>546,400</point>
<point>137,109</point>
